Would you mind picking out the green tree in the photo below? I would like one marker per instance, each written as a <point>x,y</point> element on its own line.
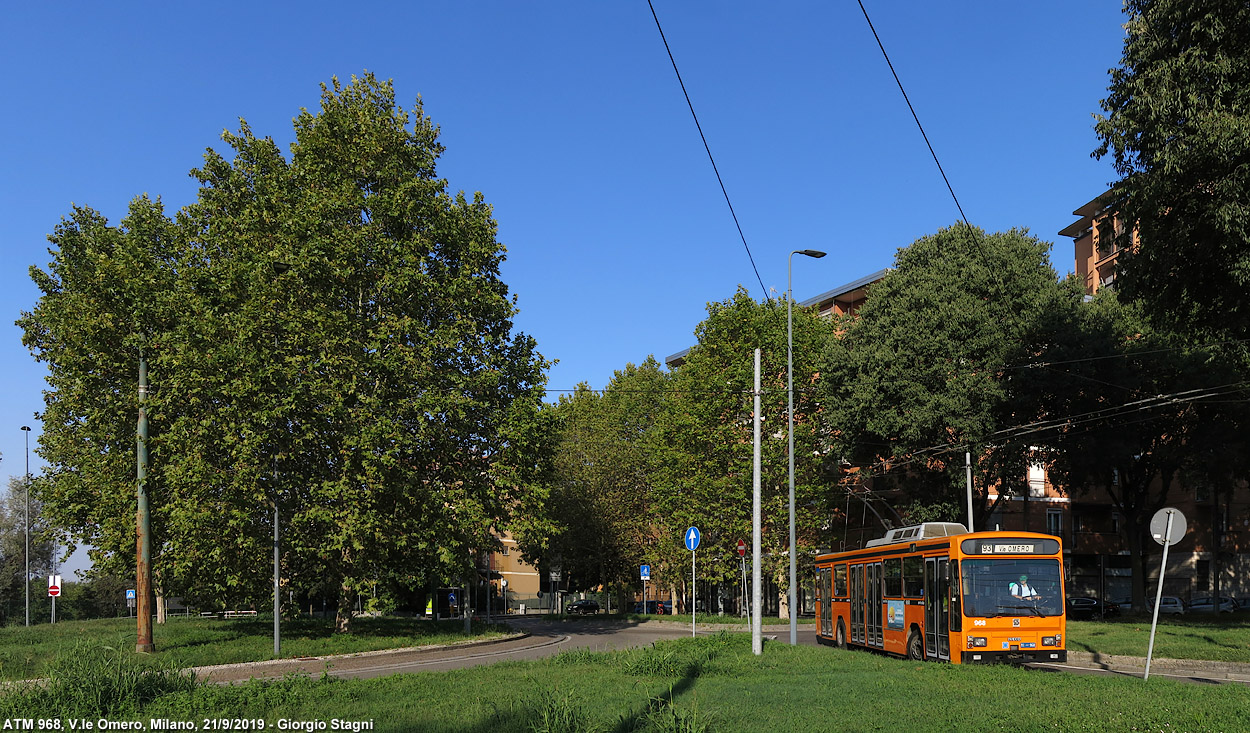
<point>603,479</point>
<point>108,296</point>
<point>705,443</point>
<point>1134,415</point>
<point>922,376</point>
<point>1178,130</point>
<point>13,534</point>
<point>330,334</point>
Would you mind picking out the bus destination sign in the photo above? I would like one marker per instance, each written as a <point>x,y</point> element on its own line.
<point>1010,546</point>
<point>993,549</point>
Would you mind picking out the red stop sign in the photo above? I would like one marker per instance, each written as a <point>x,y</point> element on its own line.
<point>742,548</point>
<point>54,590</point>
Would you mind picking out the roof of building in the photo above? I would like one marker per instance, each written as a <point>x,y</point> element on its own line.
<point>1087,212</point>
<point>846,289</point>
<point>829,295</point>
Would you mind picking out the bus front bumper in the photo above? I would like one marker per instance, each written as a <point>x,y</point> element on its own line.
<point>981,656</point>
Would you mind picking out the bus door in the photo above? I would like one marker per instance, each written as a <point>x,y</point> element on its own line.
<point>824,594</point>
<point>937,640</point>
<point>857,604</point>
<point>874,605</point>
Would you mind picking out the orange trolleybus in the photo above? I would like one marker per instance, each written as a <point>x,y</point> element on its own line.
<point>937,591</point>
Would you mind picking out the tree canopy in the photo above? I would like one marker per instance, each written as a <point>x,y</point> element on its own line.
<point>1177,128</point>
<point>923,373</point>
<point>328,333</point>
<point>705,445</point>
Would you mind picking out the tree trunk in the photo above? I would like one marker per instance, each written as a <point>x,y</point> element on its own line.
<point>346,610</point>
<point>162,611</point>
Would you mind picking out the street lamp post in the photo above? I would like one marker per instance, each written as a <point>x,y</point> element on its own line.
<point>26,429</point>
<point>794,611</point>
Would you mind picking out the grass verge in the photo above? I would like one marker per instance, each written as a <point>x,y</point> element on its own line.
<point>1223,639</point>
<point>192,642</point>
<point>715,684</point>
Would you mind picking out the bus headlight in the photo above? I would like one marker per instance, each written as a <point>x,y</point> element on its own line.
<point>1056,640</point>
<point>976,641</point>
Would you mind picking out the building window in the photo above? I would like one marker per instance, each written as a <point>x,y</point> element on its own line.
<point>1076,524</point>
<point>1037,480</point>
<point>1054,521</point>
<point>1115,522</point>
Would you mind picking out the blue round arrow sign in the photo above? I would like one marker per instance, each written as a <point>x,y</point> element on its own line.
<point>692,538</point>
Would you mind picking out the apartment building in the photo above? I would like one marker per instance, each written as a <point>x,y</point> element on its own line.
<point>1218,538</point>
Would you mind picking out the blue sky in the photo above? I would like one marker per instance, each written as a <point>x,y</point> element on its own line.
<point>567,116</point>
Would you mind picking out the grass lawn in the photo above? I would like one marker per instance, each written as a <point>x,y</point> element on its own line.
<point>709,684</point>
<point>194,642</point>
<point>1223,639</point>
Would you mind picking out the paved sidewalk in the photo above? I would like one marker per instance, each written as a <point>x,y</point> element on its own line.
<point>1195,669</point>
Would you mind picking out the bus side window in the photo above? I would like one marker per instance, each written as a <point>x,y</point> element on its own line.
<point>957,615</point>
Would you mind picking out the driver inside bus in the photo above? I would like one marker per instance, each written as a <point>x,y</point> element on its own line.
<point>1023,591</point>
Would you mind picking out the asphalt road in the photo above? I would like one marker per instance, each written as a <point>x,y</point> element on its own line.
<point>541,637</point>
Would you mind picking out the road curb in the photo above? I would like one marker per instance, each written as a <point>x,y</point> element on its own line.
<point>1208,669</point>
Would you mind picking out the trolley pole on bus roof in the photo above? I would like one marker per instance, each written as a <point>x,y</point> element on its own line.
<point>757,639</point>
<point>968,462</point>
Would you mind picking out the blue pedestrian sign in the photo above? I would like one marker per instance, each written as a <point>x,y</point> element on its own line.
<point>451,598</point>
<point>130,595</point>
<point>646,572</point>
<point>692,538</point>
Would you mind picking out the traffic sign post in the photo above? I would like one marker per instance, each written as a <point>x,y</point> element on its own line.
<point>692,544</point>
<point>1167,527</point>
<point>645,571</point>
<point>742,560</point>
<point>54,590</point>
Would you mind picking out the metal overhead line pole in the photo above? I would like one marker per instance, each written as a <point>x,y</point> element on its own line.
<point>278,269</point>
<point>793,592</point>
<point>26,429</point>
<point>757,638</point>
<point>143,520</point>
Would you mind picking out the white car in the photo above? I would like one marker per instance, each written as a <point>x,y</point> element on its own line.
<point>1203,604</point>
<point>1167,604</point>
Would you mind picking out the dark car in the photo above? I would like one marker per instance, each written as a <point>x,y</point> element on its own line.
<point>660,608</point>
<point>1085,607</point>
<point>586,606</point>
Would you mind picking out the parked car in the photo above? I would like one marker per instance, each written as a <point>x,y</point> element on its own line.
<point>1085,607</point>
<point>660,608</point>
<point>1167,604</point>
<point>1123,604</point>
<point>1204,604</point>
<point>585,606</point>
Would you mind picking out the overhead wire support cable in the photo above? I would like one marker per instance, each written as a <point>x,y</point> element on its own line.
<point>709,151</point>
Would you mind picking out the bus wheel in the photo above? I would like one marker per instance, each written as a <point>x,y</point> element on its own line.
<point>915,646</point>
<point>839,641</point>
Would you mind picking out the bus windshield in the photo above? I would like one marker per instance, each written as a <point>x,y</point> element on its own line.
<point>1003,586</point>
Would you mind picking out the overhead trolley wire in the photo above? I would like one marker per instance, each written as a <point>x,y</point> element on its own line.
<point>709,150</point>
<point>914,116</point>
